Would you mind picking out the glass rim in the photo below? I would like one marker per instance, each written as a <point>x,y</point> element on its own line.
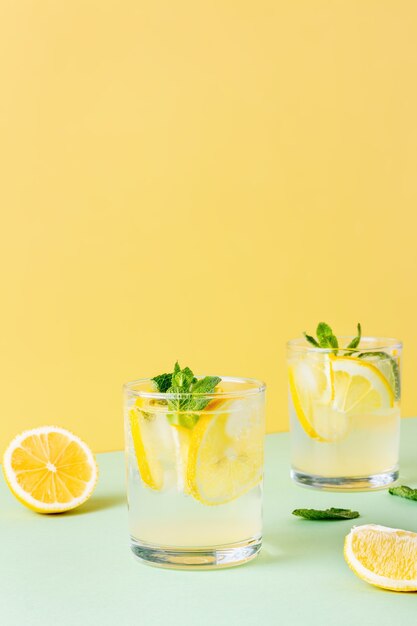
<point>258,386</point>
<point>378,344</point>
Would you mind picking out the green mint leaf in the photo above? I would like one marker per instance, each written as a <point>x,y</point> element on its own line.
<point>331,514</point>
<point>186,394</point>
<point>323,332</point>
<point>182,378</point>
<point>325,337</point>
<point>311,340</point>
<point>355,342</point>
<point>404,492</point>
<point>163,382</point>
<point>178,401</point>
<point>388,367</point>
<point>202,386</point>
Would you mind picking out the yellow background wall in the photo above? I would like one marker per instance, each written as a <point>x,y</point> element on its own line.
<point>201,181</point>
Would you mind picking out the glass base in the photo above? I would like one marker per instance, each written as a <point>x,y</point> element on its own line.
<point>346,483</point>
<point>214,557</point>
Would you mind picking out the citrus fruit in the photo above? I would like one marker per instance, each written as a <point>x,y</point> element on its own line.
<point>359,387</point>
<point>327,393</point>
<point>382,556</point>
<point>146,444</point>
<point>49,469</point>
<point>311,388</point>
<point>388,366</point>
<point>225,454</point>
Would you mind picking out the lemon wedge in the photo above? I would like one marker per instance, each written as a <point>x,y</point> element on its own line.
<point>49,469</point>
<point>225,457</point>
<point>326,393</point>
<point>382,556</point>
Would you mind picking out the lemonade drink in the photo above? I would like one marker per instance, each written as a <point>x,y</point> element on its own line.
<point>195,477</point>
<point>344,410</point>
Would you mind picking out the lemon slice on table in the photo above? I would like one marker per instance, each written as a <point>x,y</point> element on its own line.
<point>382,556</point>
<point>355,387</point>
<point>225,455</point>
<point>49,469</point>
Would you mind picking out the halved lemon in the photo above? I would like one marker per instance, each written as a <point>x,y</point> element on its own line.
<point>382,556</point>
<point>226,454</point>
<point>49,469</point>
<point>354,387</point>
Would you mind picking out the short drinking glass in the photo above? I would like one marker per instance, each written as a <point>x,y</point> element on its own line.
<point>194,478</point>
<point>345,413</point>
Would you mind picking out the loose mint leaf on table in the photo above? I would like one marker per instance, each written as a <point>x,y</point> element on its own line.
<point>331,514</point>
<point>404,492</point>
<point>355,342</point>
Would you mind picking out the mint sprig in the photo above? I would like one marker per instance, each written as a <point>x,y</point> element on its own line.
<point>187,394</point>
<point>327,339</point>
<point>355,342</point>
<point>331,514</point>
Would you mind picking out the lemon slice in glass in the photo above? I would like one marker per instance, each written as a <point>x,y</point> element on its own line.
<point>147,445</point>
<point>355,387</point>
<point>226,454</point>
<point>359,387</point>
<point>311,389</point>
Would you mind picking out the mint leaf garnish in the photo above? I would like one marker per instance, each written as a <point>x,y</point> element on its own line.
<point>187,394</point>
<point>202,386</point>
<point>326,514</point>
<point>163,382</point>
<point>182,378</point>
<point>311,340</point>
<point>404,492</point>
<point>389,367</point>
<point>326,337</point>
<point>355,342</point>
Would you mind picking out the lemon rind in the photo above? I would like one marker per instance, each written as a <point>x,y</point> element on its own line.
<point>362,572</point>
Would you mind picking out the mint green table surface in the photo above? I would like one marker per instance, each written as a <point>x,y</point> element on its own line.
<point>77,569</point>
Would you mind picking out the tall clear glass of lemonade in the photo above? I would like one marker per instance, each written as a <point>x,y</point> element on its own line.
<point>194,455</point>
<point>344,406</point>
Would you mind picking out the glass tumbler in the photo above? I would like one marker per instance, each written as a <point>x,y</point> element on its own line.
<point>194,477</point>
<point>344,410</point>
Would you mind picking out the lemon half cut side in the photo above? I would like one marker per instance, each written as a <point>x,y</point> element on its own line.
<point>49,469</point>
